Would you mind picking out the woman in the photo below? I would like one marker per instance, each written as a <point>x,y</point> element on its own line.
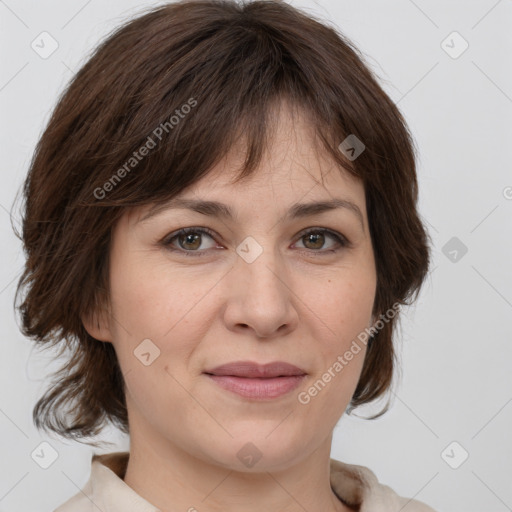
<point>221,226</point>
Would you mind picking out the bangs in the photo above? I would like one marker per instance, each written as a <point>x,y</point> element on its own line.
<point>163,134</point>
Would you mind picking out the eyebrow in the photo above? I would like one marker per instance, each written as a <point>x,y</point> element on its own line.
<point>221,210</point>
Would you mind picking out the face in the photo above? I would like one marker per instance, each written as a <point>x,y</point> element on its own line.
<point>263,286</point>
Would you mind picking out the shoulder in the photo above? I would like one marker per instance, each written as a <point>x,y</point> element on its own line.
<point>106,490</point>
<point>90,497</point>
<point>359,486</point>
<point>80,502</point>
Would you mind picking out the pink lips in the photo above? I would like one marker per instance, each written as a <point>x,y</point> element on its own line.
<point>252,380</point>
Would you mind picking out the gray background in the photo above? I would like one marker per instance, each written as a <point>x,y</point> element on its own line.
<point>455,343</point>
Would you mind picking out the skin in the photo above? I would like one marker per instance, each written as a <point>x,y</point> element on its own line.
<point>296,302</point>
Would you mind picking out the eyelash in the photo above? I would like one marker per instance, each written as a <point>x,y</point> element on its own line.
<point>342,241</point>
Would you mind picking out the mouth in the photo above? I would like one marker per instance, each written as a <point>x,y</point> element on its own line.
<point>255,381</point>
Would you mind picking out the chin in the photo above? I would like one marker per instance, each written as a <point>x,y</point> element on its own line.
<point>257,451</point>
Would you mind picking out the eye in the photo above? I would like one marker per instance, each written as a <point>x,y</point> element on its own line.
<point>189,240</point>
<point>315,238</point>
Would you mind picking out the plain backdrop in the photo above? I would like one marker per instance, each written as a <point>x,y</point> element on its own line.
<point>447,437</point>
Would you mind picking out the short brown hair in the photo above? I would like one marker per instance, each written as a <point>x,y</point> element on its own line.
<point>229,62</point>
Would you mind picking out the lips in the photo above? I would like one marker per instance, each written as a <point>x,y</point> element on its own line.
<point>251,370</point>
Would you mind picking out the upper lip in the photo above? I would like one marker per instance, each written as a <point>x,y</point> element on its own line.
<point>250,369</point>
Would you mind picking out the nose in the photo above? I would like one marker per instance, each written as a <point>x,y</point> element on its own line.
<point>260,296</point>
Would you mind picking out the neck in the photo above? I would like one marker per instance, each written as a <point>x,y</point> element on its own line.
<point>174,480</point>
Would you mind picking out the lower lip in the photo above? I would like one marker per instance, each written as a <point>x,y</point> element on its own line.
<point>258,388</point>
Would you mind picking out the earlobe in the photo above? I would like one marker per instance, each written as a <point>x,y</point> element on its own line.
<point>97,325</point>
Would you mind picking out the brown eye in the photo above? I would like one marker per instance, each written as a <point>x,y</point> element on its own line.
<point>189,241</point>
<point>315,239</point>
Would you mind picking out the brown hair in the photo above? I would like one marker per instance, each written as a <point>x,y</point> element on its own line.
<point>229,62</point>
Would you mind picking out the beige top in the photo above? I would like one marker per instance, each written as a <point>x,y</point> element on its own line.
<point>105,491</point>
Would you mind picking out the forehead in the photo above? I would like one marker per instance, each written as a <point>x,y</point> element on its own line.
<point>293,152</point>
<point>294,167</point>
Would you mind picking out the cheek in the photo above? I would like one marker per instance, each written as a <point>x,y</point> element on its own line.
<point>341,313</point>
<point>153,334</point>
<point>343,299</point>
<point>344,305</point>
<point>160,318</point>
<point>151,299</point>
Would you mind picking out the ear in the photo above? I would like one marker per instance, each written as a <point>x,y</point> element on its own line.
<point>97,324</point>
